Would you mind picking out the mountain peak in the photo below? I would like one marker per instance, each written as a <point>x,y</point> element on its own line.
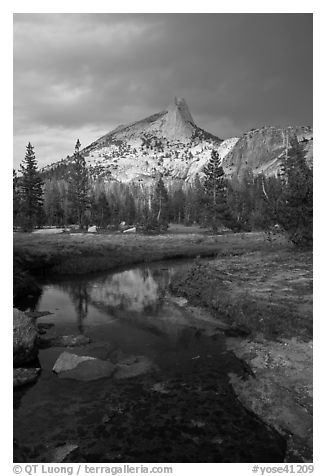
<point>168,142</point>
<point>182,107</point>
<point>178,123</point>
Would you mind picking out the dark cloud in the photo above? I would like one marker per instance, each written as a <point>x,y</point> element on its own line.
<point>82,74</point>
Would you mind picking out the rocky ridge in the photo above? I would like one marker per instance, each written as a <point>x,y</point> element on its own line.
<point>262,150</point>
<point>169,143</point>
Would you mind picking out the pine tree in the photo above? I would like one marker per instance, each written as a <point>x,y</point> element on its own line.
<point>241,200</point>
<point>295,211</point>
<point>115,210</point>
<point>100,210</point>
<point>31,192</point>
<point>215,201</point>
<point>78,186</point>
<point>160,206</point>
<point>234,199</point>
<point>177,206</point>
<point>53,203</point>
<point>198,200</point>
<point>129,207</point>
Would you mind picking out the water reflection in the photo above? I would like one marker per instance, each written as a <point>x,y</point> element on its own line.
<point>132,303</point>
<point>80,296</point>
<point>137,290</point>
<point>140,290</point>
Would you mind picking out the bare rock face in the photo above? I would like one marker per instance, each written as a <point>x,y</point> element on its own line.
<point>280,392</point>
<point>262,150</point>
<point>178,122</point>
<point>25,339</point>
<point>169,143</point>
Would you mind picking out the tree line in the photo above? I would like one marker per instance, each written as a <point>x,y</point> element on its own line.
<point>74,196</point>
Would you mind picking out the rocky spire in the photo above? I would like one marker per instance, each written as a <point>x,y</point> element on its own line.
<point>178,122</point>
<point>183,109</point>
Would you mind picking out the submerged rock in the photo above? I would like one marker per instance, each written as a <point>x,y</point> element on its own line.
<point>90,370</point>
<point>66,341</point>
<point>100,350</point>
<point>133,366</point>
<point>25,339</point>
<point>24,376</point>
<point>67,361</point>
<point>82,367</point>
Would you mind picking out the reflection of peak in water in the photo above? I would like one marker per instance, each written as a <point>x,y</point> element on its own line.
<point>167,319</point>
<point>132,290</point>
<point>137,296</point>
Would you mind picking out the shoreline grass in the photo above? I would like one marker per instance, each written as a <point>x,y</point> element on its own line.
<point>84,253</point>
<point>267,293</point>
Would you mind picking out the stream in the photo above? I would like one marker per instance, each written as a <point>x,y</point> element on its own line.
<point>181,409</point>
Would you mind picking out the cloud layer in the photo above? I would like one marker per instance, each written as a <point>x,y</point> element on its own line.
<point>80,75</point>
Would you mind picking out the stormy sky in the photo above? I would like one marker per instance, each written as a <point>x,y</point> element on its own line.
<point>81,75</point>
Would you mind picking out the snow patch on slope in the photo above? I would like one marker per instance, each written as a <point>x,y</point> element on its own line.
<point>226,146</point>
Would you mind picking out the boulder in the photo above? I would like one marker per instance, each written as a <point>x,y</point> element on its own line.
<point>24,376</point>
<point>25,339</point>
<point>130,230</point>
<point>123,226</point>
<point>92,229</point>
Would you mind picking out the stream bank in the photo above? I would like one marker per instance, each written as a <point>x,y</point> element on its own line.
<point>266,298</point>
<point>37,256</point>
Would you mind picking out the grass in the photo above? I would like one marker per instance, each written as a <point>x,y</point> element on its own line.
<point>82,253</point>
<point>266,293</point>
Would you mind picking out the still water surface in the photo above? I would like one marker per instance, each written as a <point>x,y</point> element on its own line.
<point>183,410</point>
